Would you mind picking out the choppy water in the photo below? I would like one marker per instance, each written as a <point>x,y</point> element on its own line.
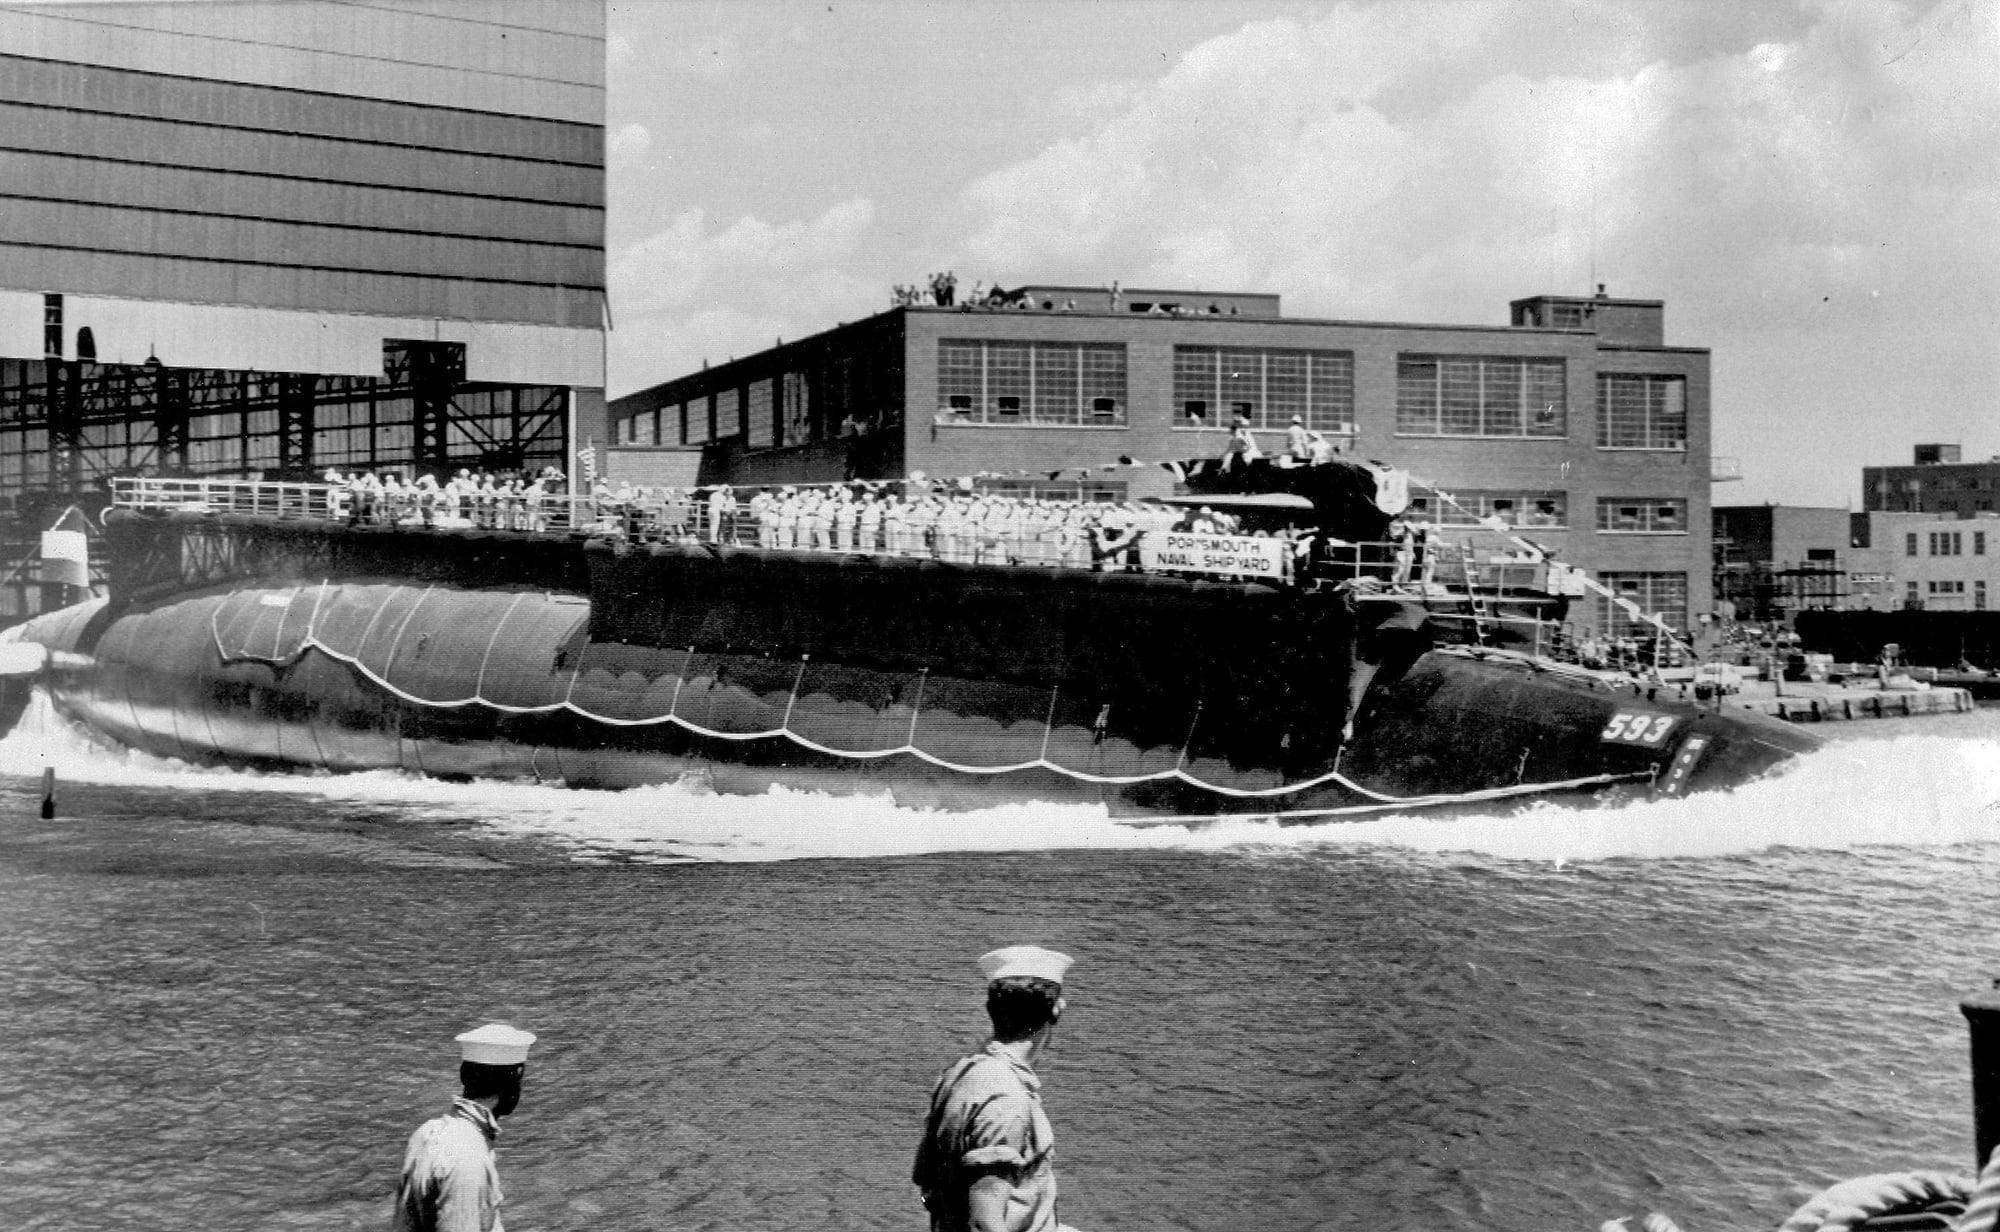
<point>228,998</point>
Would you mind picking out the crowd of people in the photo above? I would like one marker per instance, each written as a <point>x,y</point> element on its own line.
<point>940,290</point>
<point>940,521</point>
<point>469,498</point>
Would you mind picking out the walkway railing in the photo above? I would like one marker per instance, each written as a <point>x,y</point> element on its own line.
<point>1429,569</point>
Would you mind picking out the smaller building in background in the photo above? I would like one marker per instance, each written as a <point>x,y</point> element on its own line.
<point>1945,564</point>
<point>1774,561</point>
<point>1937,481</point>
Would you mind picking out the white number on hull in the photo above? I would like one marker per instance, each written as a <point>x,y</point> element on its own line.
<point>1627,727</point>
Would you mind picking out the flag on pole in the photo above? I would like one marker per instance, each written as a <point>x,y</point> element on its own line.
<point>586,462</point>
<point>66,551</point>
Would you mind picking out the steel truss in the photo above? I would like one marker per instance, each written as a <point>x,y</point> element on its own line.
<point>67,426</point>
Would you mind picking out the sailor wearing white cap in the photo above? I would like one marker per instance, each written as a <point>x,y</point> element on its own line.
<point>449,1180</point>
<point>1298,442</point>
<point>987,1160</point>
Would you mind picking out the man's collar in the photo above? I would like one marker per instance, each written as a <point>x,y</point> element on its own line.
<point>1027,1072</point>
<point>479,1114</point>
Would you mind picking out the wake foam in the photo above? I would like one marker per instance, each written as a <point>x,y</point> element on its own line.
<point>1908,790</point>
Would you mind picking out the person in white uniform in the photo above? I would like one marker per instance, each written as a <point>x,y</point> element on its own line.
<point>450,1183</point>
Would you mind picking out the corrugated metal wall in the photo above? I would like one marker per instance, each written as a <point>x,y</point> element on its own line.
<point>414,160</point>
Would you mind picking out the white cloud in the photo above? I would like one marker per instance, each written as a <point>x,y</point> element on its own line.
<point>627,144</point>
<point>690,293</point>
<point>617,49</point>
<point>1801,191</point>
<point>717,56</point>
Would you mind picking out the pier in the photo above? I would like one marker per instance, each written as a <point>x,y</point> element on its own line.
<point>1802,701</point>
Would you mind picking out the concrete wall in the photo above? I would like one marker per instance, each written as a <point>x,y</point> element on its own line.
<point>1955,565</point>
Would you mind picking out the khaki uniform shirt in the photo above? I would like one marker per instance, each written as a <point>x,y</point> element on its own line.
<point>986,1119</point>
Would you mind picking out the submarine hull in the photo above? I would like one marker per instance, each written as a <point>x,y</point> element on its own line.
<point>603,665</point>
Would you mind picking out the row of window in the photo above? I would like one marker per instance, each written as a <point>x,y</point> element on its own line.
<point>1945,543</point>
<point>1664,595</point>
<point>1630,515</point>
<point>1268,387</point>
<point>1085,384</point>
<point>1440,395</point>
<point>1948,590</point>
<point>1964,483</point>
<point>1068,383</point>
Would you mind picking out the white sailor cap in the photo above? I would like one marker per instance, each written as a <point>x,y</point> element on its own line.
<point>496,1043</point>
<point>1028,961</point>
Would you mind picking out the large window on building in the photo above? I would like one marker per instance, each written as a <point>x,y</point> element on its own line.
<point>1066,383</point>
<point>1642,515</point>
<point>698,418</point>
<point>759,428</point>
<point>1658,594</point>
<point>729,413</point>
<point>1267,386</point>
<point>1480,395</point>
<point>1641,412</point>
<point>797,408</point>
<point>1544,510</point>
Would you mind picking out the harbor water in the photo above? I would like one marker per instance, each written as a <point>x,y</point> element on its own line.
<point>227,998</point>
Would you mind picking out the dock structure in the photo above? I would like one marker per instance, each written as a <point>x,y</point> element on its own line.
<point>1813,702</point>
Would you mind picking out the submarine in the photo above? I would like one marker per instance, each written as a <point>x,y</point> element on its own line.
<point>247,624</point>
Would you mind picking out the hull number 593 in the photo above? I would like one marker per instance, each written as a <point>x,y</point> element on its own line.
<point>1650,730</point>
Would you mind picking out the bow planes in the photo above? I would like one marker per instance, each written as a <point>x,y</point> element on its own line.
<point>1318,674</point>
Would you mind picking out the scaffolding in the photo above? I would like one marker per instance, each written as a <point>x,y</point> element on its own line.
<point>70,427</point>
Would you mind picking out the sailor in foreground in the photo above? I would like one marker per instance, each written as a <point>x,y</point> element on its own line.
<point>449,1181</point>
<point>987,1160</point>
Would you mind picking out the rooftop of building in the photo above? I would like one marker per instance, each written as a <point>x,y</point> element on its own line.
<point>1624,324</point>
<point>1936,456</point>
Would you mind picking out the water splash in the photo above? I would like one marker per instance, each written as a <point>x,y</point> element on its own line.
<point>1921,787</point>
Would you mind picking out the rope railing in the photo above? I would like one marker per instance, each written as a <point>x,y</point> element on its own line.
<point>230,647</point>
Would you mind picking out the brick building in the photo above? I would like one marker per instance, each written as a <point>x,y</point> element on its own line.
<point>1575,423</point>
<point>1936,481</point>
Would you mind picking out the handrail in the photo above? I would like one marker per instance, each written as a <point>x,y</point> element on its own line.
<point>1401,569</point>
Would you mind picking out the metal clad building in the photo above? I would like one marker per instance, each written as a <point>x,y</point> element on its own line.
<point>275,236</point>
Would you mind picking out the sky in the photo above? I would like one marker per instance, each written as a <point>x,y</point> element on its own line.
<point>1812,187</point>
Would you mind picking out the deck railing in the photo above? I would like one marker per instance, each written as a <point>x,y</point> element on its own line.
<point>1431,569</point>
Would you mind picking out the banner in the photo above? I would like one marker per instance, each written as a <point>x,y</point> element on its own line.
<point>65,551</point>
<point>1392,490</point>
<point>1175,551</point>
